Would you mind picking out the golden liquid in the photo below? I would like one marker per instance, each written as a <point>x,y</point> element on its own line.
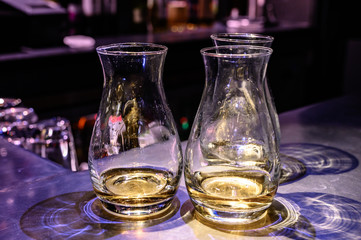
<point>232,190</point>
<point>136,186</point>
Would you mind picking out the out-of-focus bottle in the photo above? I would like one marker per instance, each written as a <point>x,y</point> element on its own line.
<point>177,15</point>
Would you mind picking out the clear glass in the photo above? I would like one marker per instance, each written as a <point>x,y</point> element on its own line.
<point>49,138</point>
<point>232,161</point>
<point>14,123</point>
<point>135,156</point>
<point>53,139</point>
<point>221,39</point>
<point>9,102</point>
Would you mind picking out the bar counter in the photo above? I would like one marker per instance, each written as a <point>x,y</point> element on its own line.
<point>319,196</point>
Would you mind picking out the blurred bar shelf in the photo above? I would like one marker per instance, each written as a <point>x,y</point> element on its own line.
<point>199,33</point>
<point>67,82</point>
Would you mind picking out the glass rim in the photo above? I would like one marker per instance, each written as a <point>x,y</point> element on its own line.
<point>263,51</point>
<point>121,48</point>
<point>247,37</point>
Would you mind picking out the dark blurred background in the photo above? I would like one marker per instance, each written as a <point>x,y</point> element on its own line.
<point>316,50</point>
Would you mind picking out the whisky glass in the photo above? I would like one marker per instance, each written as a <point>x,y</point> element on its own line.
<point>232,161</point>
<point>221,39</point>
<point>135,157</point>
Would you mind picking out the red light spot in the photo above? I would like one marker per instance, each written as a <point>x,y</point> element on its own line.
<point>81,122</point>
<point>115,119</point>
<point>183,120</point>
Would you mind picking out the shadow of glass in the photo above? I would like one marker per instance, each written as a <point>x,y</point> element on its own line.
<point>333,217</point>
<point>291,169</point>
<point>301,159</point>
<point>282,219</point>
<point>301,215</point>
<point>80,215</point>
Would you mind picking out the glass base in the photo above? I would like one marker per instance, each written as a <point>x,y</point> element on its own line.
<point>139,212</point>
<point>229,217</point>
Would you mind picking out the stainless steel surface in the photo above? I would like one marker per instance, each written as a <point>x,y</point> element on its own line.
<point>319,197</point>
<point>20,167</point>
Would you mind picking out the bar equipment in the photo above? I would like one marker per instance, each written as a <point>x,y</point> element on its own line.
<point>14,123</point>
<point>53,139</point>
<point>247,14</point>
<point>9,102</point>
<point>177,15</point>
<point>50,138</point>
<point>31,23</point>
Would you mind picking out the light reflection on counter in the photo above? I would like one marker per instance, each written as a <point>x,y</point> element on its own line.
<point>320,159</point>
<point>283,219</point>
<point>301,159</point>
<point>302,215</point>
<point>80,215</point>
<point>333,216</point>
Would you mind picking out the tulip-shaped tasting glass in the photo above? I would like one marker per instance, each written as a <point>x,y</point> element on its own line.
<point>135,156</point>
<point>232,159</point>
<point>221,39</point>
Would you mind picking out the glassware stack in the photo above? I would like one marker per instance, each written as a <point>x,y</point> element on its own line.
<point>50,138</point>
